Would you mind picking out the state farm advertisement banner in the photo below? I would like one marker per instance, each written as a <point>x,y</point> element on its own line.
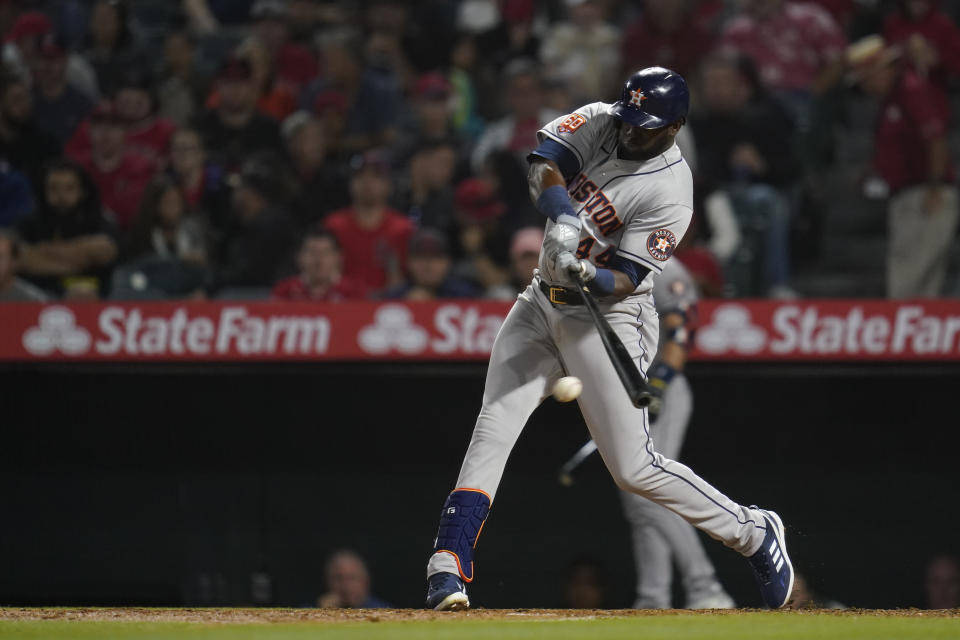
<point>163,331</point>
<point>742,330</point>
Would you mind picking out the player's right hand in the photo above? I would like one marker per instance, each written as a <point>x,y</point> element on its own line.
<point>562,237</point>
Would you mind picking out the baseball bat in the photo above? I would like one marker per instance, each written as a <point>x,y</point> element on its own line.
<point>630,376</point>
<point>565,477</point>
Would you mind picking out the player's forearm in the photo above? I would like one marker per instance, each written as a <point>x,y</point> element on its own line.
<point>542,175</point>
<point>673,350</point>
<point>622,284</point>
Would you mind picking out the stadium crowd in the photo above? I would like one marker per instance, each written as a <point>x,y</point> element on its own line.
<point>308,150</point>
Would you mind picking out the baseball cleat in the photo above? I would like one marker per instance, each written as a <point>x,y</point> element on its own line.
<point>716,598</point>
<point>447,592</point>
<point>771,565</point>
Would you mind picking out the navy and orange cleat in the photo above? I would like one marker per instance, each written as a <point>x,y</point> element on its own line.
<point>771,565</point>
<point>446,592</point>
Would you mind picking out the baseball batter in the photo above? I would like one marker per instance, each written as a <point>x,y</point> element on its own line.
<point>618,197</point>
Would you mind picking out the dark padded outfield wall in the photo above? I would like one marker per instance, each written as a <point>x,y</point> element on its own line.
<point>230,485</point>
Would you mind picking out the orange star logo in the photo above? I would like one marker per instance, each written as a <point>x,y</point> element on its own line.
<point>636,96</point>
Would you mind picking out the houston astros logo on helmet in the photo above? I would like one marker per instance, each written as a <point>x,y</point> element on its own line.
<point>636,96</point>
<point>661,244</point>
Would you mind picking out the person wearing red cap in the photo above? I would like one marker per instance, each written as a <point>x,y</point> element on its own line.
<point>25,42</point>
<point>120,172</point>
<point>373,235</point>
<point>135,103</point>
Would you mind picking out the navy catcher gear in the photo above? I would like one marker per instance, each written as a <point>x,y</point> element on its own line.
<point>652,98</point>
<point>460,523</point>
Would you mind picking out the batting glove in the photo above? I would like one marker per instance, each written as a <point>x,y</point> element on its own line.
<point>562,237</point>
<point>660,376</point>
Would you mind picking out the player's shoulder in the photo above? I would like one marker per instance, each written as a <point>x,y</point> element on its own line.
<point>589,116</point>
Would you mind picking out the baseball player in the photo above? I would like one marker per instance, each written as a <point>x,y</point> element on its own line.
<point>661,538</point>
<point>618,197</point>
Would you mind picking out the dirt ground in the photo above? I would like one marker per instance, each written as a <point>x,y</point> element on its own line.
<point>271,616</point>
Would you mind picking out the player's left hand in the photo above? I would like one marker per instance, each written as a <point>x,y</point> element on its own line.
<point>561,237</point>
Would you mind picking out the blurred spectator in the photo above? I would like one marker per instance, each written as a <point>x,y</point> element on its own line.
<point>585,586</point>
<point>524,256</point>
<point>235,129</point>
<point>667,35</point>
<point>929,38</point>
<point>330,108</point>
<point>745,151</point>
<point>32,38</point>
<point>321,184</point>
<point>517,131</point>
<point>260,235</point>
<point>798,49</point>
<point>58,107</point>
<point>430,118</point>
<point>294,65</point>
<point>163,228</point>
<point>463,69</point>
<point>320,279</point>
<point>483,242</point>
<point>202,183</point>
<point>168,250</point>
<point>373,236</point>
<point>68,243</point>
<point>180,87</point>
<point>274,99</point>
<point>348,583</point>
<point>584,51</point>
<point>912,158</point>
<point>12,288</point>
<point>111,45</point>
<point>120,172</point>
<point>942,583</point>
<point>25,146</point>
<point>134,101</point>
<point>16,195</point>
<point>428,270</point>
<point>428,196</point>
<point>370,88</point>
<point>796,46</point>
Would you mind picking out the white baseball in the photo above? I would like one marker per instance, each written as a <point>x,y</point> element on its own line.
<point>567,388</point>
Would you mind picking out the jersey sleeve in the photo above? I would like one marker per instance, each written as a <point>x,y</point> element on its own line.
<point>652,236</point>
<point>580,132</point>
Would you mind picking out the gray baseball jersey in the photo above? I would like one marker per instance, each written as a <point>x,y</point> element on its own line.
<point>639,211</point>
<point>636,210</point>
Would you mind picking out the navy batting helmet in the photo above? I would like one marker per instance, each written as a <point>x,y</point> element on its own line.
<point>652,98</point>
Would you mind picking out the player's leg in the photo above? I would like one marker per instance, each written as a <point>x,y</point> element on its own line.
<point>654,527</point>
<point>621,432</point>
<point>523,366</point>
<point>652,555</point>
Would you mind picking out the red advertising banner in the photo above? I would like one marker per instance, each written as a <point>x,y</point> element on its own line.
<point>728,330</point>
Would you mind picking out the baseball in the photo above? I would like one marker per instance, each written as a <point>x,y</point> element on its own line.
<point>567,388</point>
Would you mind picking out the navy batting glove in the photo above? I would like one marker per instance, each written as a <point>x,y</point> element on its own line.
<point>657,382</point>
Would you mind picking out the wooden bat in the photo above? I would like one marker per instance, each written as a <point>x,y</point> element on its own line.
<point>630,376</point>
